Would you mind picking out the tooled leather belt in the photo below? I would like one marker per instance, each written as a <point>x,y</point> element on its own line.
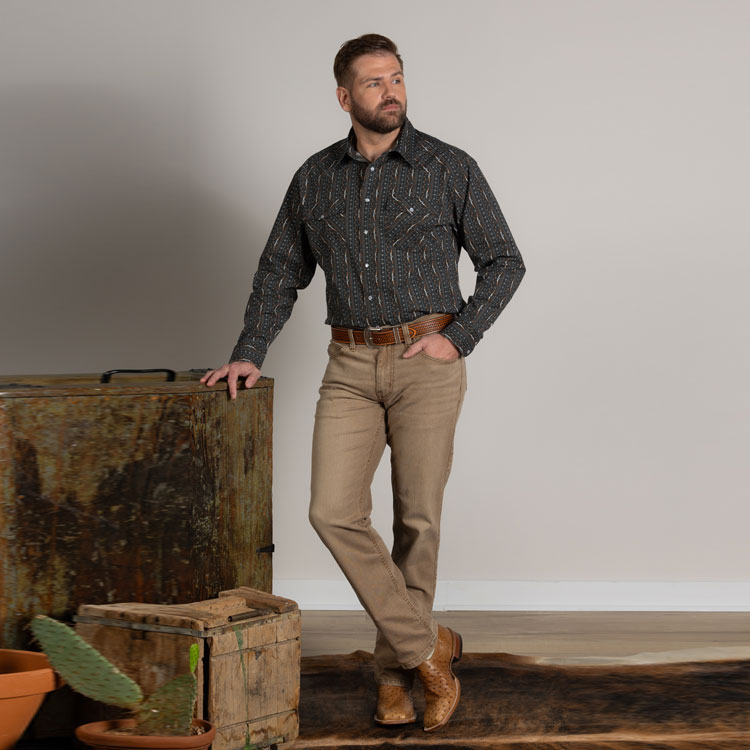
<point>384,335</point>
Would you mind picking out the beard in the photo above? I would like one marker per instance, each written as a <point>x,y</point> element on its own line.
<point>379,121</point>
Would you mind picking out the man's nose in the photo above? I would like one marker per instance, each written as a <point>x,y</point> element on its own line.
<point>389,93</point>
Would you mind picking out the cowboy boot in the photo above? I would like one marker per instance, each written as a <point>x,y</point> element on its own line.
<point>395,705</point>
<point>442,689</point>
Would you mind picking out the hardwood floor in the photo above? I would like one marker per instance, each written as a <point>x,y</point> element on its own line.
<point>558,636</point>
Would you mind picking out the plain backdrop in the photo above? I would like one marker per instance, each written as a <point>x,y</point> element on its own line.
<point>145,148</point>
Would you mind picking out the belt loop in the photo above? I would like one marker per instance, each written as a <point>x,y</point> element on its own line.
<point>352,345</point>
<point>405,331</point>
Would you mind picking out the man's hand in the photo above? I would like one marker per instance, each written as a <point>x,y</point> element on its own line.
<point>435,345</point>
<point>231,372</point>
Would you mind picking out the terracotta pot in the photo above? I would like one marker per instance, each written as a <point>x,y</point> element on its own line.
<point>97,736</point>
<point>25,677</point>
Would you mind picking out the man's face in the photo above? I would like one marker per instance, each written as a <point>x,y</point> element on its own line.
<point>377,99</point>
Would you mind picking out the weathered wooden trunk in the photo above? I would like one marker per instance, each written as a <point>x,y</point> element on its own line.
<point>135,490</point>
<point>249,671</point>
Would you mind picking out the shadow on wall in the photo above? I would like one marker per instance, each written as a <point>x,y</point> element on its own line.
<point>111,257</point>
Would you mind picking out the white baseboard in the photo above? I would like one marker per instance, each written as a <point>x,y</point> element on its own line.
<point>711,596</point>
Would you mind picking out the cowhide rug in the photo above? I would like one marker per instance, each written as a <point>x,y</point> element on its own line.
<point>528,703</point>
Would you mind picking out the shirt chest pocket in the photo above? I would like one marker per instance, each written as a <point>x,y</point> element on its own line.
<point>409,218</point>
<point>327,221</point>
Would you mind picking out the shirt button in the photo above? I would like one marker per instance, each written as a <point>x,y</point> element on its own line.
<point>411,210</point>
<point>366,231</point>
<point>367,265</point>
<point>369,296</point>
<point>367,200</point>
<point>372,169</point>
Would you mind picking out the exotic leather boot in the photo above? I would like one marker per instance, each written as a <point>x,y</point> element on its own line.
<point>395,705</point>
<point>442,689</point>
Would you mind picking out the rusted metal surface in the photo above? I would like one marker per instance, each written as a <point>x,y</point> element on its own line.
<point>132,491</point>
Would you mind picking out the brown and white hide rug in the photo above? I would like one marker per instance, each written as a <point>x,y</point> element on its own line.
<point>685,701</point>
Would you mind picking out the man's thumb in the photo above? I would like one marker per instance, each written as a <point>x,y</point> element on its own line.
<point>413,349</point>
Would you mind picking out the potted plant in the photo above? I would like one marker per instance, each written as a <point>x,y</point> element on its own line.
<point>161,720</point>
<point>25,678</point>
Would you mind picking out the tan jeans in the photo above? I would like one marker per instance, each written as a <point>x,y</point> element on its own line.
<point>370,397</point>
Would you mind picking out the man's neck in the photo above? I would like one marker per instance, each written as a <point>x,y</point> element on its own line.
<point>371,144</point>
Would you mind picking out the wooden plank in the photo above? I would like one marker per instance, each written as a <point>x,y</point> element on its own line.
<point>289,626</point>
<point>74,378</point>
<point>243,493</point>
<point>196,615</point>
<point>284,727</point>
<point>552,633</point>
<point>251,684</point>
<point>256,598</point>
<point>122,389</point>
<point>88,384</point>
<point>242,637</point>
<point>12,577</point>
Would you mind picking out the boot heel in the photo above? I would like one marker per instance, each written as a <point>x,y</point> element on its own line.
<point>458,646</point>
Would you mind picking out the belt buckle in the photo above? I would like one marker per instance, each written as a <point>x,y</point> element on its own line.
<point>367,334</point>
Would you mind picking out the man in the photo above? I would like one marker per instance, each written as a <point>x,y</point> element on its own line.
<point>385,213</point>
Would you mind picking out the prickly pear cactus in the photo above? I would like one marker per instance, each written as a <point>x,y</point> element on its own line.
<point>82,666</point>
<point>170,709</point>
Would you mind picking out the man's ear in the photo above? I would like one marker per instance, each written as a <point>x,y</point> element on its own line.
<point>342,95</point>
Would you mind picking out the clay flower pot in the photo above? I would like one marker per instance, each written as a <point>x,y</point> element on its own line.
<point>25,677</point>
<point>97,736</point>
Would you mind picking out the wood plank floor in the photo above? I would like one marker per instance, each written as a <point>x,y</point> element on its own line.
<point>559,636</point>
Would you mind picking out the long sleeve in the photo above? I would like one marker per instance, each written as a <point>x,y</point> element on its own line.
<point>482,230</point>
<point>286,265</point>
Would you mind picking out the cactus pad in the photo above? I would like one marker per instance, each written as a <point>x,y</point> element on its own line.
<point>170,709</point>
<point>82,666</point>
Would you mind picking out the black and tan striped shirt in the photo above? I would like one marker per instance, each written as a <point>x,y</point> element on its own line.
<point>387,235</point>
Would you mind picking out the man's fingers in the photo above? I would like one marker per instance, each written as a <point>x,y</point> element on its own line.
<point>207,375</point>
<point>252,379</point>
<point>215,375</point>
<point>434,345</point>
<point>232,381</point>
<point>233,372</point>
<point>247,372</point>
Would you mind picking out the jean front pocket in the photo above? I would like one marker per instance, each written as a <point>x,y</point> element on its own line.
<point>441,361</point>
<point>336,348</point>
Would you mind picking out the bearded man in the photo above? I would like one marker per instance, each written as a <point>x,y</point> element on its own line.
<point>385,213</point>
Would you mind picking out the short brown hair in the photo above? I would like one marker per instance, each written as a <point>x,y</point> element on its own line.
<point>367,44</point>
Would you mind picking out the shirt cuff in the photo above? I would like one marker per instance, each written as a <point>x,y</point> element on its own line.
<point>459,337</point>
<point>247,354</point>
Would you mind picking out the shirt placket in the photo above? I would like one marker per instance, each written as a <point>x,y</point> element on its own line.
<point>367,242</point>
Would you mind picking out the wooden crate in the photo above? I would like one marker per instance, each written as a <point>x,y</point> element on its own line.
<point>249,671</point>
<point>132,490</point>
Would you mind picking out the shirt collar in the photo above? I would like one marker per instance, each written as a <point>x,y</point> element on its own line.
<point>403,145</point>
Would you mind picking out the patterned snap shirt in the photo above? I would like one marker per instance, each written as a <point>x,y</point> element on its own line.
<point>387,235</point>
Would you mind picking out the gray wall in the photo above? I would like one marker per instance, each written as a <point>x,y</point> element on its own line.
<point>601,456</point>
